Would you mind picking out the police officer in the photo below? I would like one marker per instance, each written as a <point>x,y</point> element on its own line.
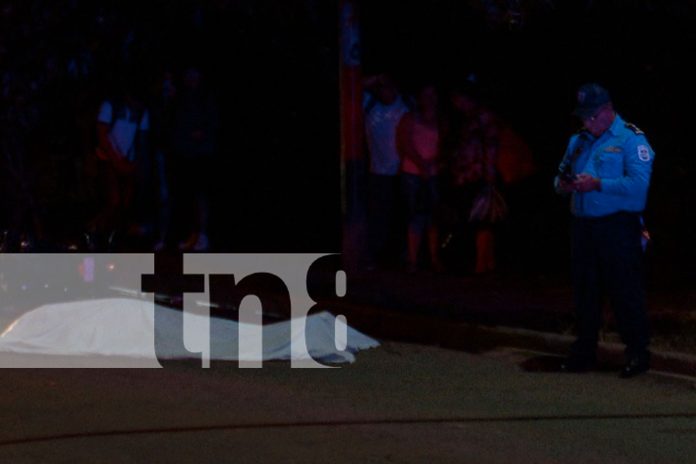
<point>606,171</point>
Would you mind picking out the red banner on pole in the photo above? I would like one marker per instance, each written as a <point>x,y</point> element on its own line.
<point>352,146</point>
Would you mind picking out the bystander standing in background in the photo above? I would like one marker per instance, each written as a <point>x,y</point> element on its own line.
<point>383,108</point>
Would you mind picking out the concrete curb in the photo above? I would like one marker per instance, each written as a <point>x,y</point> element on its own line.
<point>418,328</point>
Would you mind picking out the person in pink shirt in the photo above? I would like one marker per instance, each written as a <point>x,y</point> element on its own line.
<point>418,143</point>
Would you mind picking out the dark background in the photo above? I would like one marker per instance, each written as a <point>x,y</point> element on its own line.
<point>273,66</point>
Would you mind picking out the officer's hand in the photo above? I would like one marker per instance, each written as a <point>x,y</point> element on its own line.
<point>586,183</point>
<point>565,187</point>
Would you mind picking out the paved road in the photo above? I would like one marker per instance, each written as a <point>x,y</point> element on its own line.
<point>399,403</point>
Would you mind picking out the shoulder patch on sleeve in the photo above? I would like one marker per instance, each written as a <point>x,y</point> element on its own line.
<point>643,153</point>
<point>633,128</point>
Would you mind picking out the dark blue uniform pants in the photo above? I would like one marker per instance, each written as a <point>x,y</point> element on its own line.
<point>608,260</point>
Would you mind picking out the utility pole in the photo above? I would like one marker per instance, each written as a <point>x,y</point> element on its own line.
<point>353,169</point>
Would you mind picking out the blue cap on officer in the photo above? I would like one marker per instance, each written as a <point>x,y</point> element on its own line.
<point>589,99</point>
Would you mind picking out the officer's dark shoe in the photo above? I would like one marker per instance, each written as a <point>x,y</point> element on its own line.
<point>634,366</point>
<point>577,363</point>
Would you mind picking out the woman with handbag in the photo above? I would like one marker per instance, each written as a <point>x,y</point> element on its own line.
<point>474,176</point>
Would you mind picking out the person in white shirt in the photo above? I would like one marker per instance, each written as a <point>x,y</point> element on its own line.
<point>383,108</point>
<point>122,127</point>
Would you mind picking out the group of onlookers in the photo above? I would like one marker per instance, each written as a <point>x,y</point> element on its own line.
<point>438,165</point>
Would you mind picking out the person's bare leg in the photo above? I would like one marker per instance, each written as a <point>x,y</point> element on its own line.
<point>414,241</point>
<point>490,260</point>
<point>485,253</point>
<point>434,248</point>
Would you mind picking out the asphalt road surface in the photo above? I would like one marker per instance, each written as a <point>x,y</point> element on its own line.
<point>398,403</point>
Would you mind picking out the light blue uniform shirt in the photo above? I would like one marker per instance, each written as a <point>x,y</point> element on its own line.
<point>621,158</point>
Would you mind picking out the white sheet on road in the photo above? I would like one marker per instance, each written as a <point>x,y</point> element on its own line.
<point>126,328</point>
